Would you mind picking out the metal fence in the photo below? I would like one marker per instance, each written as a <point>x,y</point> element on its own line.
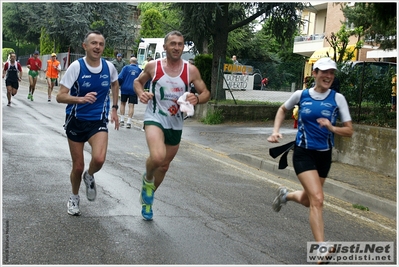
<point>367,90</point>
<point>368,87</point>
<point>248,86</point>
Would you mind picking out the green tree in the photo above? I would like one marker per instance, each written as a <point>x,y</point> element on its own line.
<point>5,53</point>
<point>64,23</point>
<point>261,50</point>
<point>15,28</point>
<point>378,21</point>
<point>46,44</point>
<point>339,42</point>
<point>151,24</point>
<point>169,17</point>
<point>214,22</point>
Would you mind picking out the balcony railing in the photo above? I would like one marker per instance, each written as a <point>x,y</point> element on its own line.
<point>305,38</point>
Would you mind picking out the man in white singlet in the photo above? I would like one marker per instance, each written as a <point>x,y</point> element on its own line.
<point>163,121</point>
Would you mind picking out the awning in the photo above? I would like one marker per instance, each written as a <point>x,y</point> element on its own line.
<point>321,53</point>
<point>381,53</point>
<point>327,50</point>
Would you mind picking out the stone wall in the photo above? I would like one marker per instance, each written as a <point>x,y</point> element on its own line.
<point>372,148</point>
<point>240,112</point>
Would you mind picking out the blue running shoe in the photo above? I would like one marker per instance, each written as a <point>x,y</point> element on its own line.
<point>146,212</point>
<point>147,192</point>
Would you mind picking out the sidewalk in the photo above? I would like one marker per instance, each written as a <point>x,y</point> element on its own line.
<point>246,142</point>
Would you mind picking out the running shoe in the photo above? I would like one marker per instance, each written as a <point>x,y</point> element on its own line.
<point>146,212</point>
<point>73,207</point>
<point>121,124</point>
<point>278,200</point>
<point>9,104</point>
<point>29,95</point>
<point>147,192</point>
<point>128,125</point>
<point>91,190</point>
<point>325,253</point>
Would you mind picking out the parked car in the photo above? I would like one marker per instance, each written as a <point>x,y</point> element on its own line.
<point>376,69</point>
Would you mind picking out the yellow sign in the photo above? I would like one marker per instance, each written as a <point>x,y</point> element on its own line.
<point>234,68</point>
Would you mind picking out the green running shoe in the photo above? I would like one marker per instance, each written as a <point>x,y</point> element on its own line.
<point>147,192</point>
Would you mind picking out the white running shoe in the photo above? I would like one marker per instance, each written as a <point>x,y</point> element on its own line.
<point>325,252</point>
<point>128,125</point>
<point>278,200</point>
<point>91,190</point>
<point>73,207</point>
<point>121,124</point>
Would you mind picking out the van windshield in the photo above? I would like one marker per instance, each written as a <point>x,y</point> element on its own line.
<point>140,56</point>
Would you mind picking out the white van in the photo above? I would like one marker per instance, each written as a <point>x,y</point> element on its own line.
<point>153,47</point>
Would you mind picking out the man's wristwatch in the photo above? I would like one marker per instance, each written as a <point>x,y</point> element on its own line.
<point>115,107</point>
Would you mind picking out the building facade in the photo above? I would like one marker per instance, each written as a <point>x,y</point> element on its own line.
<point>322,19</point>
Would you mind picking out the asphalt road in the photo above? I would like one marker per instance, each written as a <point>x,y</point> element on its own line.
<point>210,209</point>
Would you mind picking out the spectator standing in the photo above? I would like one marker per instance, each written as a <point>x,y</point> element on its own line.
<point>52,70</point>
<point>85,89</point>
<point>319,108</point>
<point>235,61</point>
<point>163,122</point>
<point>12,71</point>
<point>119,63</point>
<point>34,65</point>
<point>148,59</point>
<point>265,81</point>
<point>126,78</point>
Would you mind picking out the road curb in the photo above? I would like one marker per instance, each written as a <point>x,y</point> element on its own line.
<point>337,189</point>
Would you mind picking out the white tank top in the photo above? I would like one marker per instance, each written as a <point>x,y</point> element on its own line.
<point>163,107</point>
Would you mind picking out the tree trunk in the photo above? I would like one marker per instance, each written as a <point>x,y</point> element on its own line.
<point>205,47</point>
<point>219,52</point>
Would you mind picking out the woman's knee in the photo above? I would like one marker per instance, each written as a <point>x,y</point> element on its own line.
<point>317,200</point>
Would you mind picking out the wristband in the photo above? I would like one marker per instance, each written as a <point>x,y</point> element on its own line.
<point>197,99</point>
<point>115,107</point>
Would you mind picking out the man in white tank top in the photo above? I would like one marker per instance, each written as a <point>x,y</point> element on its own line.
<point>163,122</point>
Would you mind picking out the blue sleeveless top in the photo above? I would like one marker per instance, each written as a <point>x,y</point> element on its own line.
<point>310,135</point>
<point>90,82</point>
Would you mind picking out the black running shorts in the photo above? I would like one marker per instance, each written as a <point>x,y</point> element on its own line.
<point>81,131</point>
<point>132,99</point>
<point>13,84</point>
<point>305,160</point>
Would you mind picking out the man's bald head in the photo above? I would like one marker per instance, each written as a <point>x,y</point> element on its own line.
<point>133,60</point>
